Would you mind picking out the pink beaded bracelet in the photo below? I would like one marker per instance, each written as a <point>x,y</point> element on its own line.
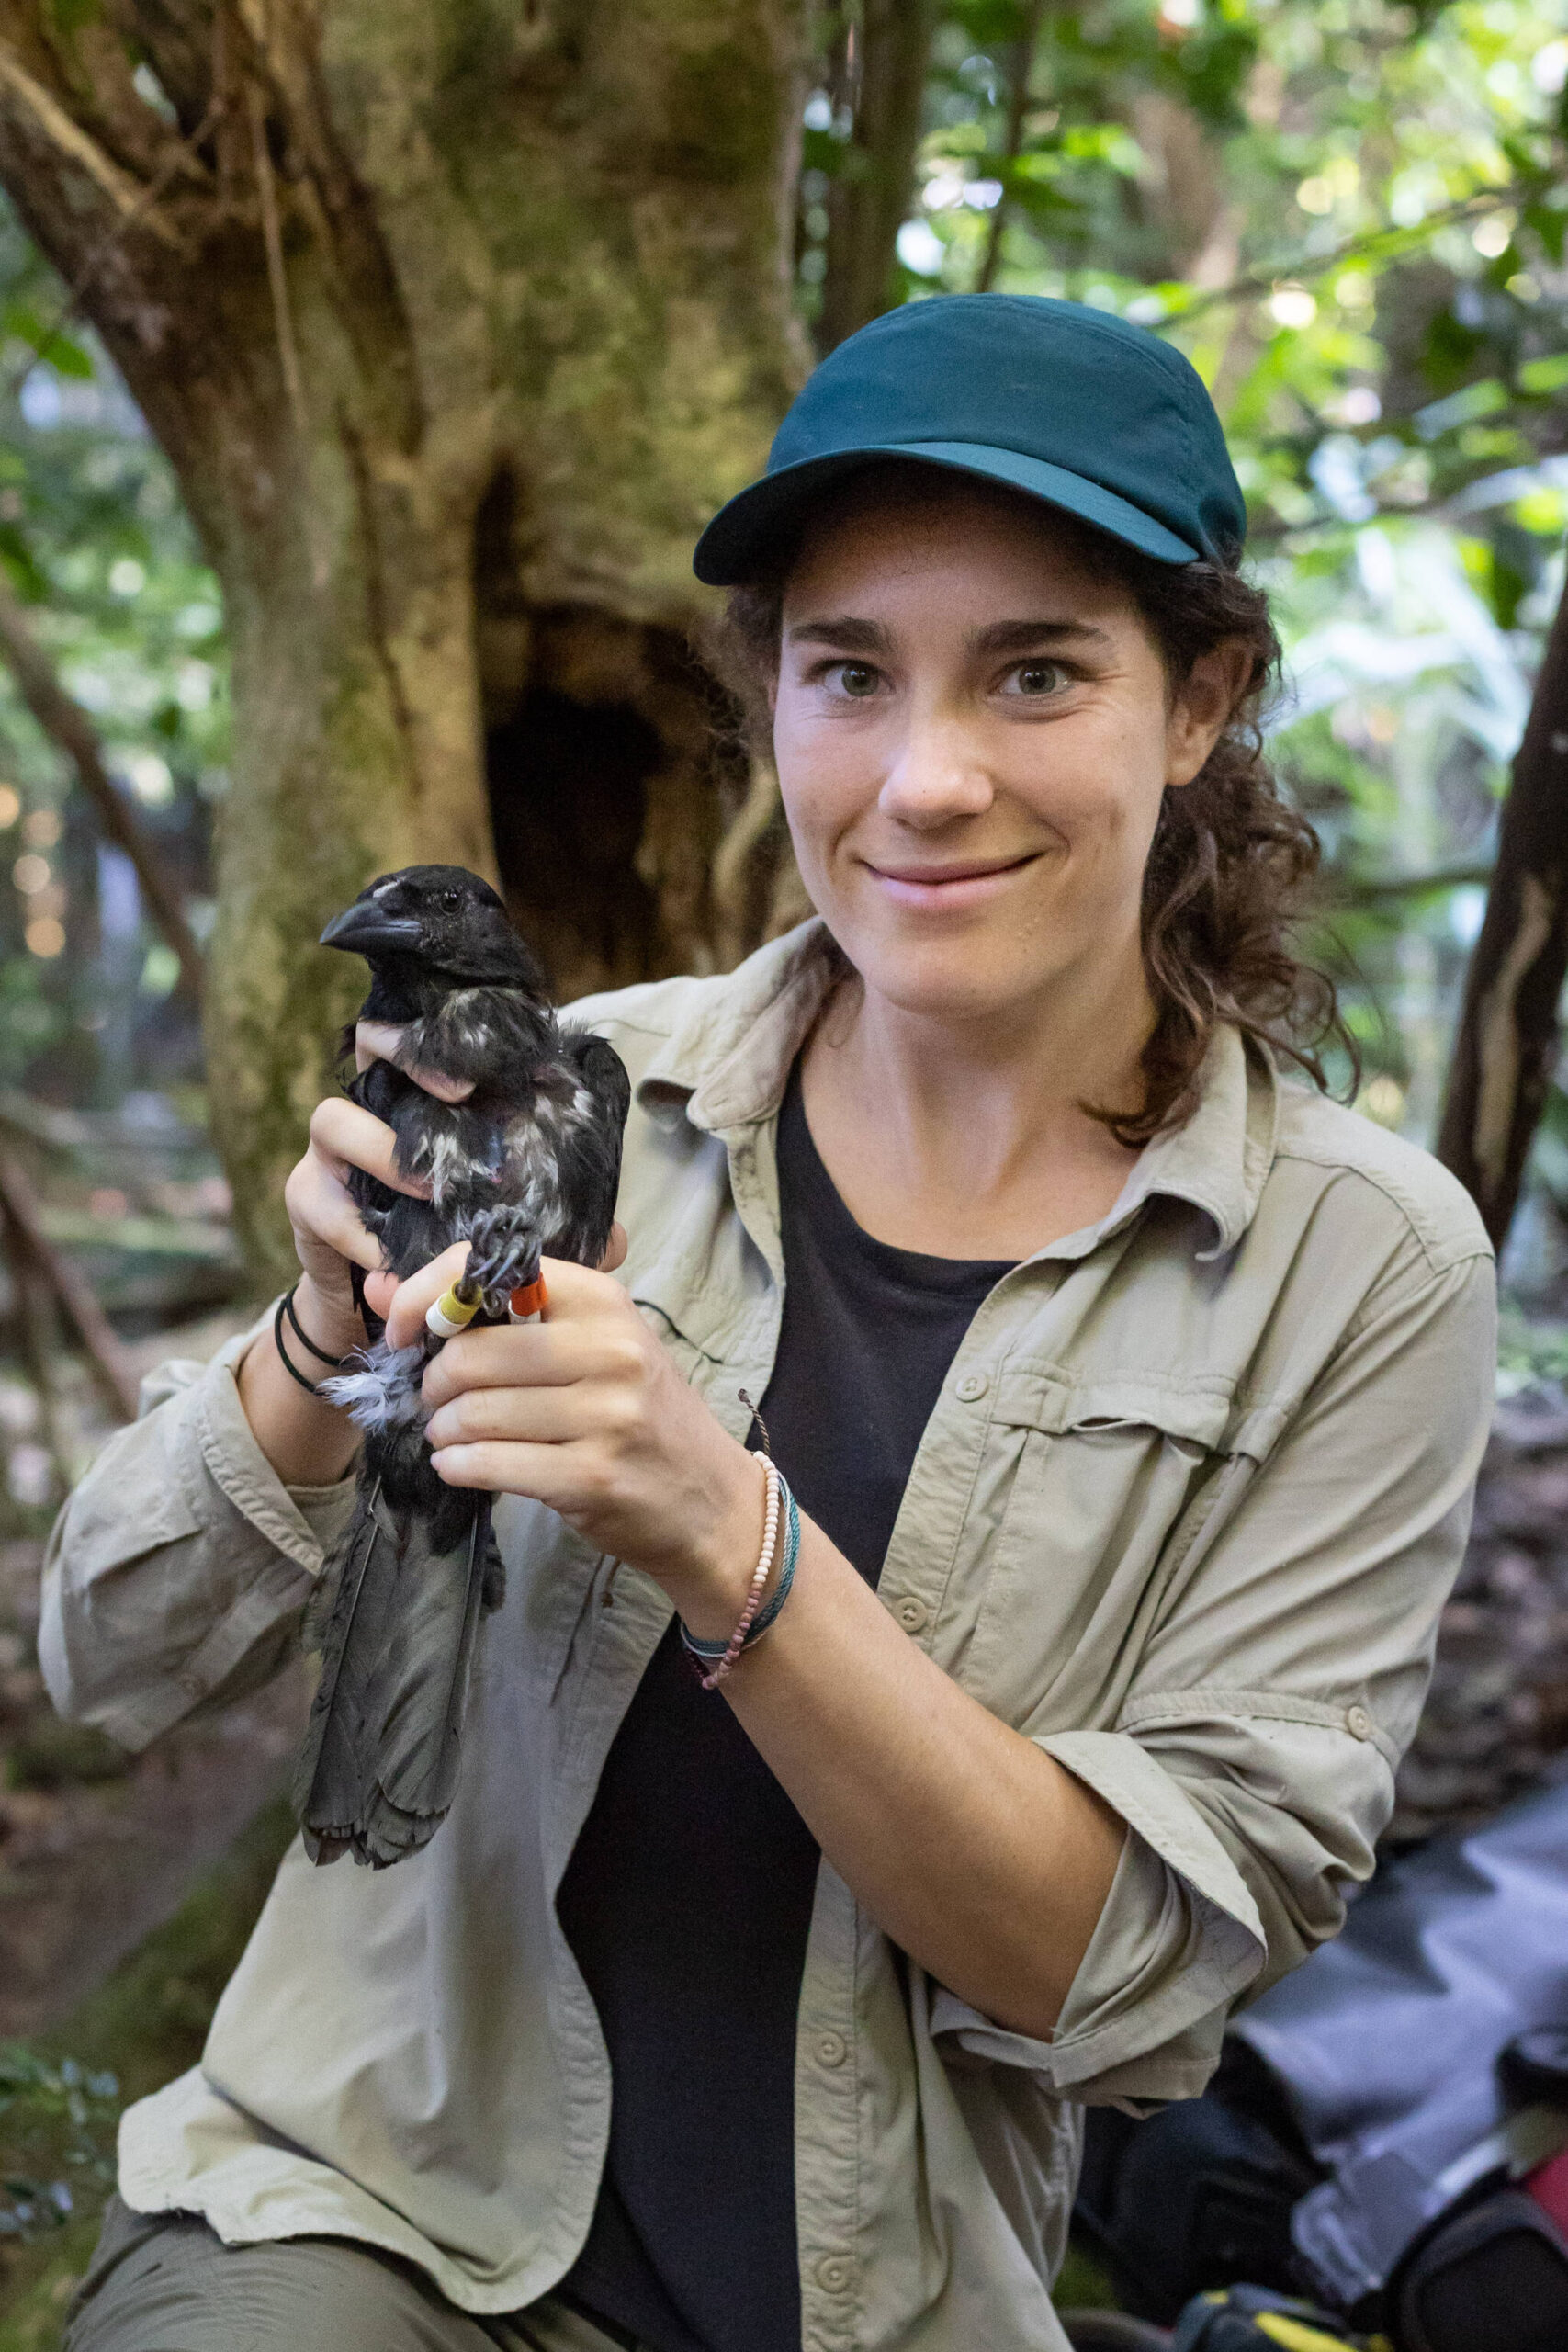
<point>760,1576</point>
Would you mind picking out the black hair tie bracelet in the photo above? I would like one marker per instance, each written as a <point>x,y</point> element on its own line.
<point>286,1306</point>
<point>304,1337</point>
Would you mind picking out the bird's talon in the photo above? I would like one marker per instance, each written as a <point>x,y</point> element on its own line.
<point>503,1256</point>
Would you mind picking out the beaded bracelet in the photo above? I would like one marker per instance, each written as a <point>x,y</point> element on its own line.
<point>760,1575</point>
<point>708,1651</point>
<point>721,1656</point>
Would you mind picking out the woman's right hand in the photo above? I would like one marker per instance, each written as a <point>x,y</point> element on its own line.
<point>329,1235</point>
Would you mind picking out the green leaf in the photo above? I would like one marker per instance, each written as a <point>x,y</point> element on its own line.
<point>1542,376</point>
<point>67,358</point>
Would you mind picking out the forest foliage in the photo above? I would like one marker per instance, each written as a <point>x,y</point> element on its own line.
<point>1350,215</point>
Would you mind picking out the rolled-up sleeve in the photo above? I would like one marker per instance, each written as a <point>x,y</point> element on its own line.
<point>177,1572</point>
<point>1253,1758</point>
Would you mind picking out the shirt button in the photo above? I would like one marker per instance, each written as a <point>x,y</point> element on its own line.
<point>832,2048</point>
<point>837,2273</point>
<point>912,1614</point>
<point>1358,1723</point>
<point>972,1386</point>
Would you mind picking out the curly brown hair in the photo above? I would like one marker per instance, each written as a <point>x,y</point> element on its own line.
<point>1231,859</point>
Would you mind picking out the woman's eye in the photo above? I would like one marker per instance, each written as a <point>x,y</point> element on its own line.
<point>856,679</point>
<point>1037,679</point>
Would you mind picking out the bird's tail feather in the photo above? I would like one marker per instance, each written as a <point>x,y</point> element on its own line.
<point>378,1770</point>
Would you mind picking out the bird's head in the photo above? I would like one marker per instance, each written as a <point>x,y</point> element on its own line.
<point>436,924</point>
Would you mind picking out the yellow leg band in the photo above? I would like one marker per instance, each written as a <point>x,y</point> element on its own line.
<point>451,1314</point>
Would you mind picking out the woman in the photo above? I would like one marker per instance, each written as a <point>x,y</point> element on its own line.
<point>1132,1393</point>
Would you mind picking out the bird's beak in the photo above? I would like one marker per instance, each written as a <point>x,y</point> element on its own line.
<point>366,929</point>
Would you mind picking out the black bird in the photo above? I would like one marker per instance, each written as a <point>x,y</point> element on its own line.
<point>528,1163</point>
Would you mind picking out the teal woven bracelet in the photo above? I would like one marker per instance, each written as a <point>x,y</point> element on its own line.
<point>708,1651</point>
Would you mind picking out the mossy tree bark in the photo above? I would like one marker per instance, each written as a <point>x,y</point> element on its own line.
<point>456,318</point>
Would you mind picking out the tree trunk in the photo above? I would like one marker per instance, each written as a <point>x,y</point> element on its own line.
<point>1507,1048</point>
<point>886,49</point>
<point>1021,67</point>
<point>456,318</point>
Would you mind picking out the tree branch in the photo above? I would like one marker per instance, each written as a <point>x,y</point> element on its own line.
<point>72,142</point>
<point>1374,245</point>
<point>1379,888</point>
<point>1505,1050</point>
<point>104,1354</point>
<point>68,727</point>
<point>277,277</point>
<point>102,252</point>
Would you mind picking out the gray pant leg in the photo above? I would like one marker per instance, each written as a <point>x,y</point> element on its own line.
<point>164,2282</point>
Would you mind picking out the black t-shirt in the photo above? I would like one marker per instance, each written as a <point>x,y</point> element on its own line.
<point>688,1897</point>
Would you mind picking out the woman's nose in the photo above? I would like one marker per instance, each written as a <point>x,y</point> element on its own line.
<point>938,774</point>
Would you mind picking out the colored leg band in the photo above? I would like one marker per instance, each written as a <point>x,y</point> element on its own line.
<point>451,1314</point>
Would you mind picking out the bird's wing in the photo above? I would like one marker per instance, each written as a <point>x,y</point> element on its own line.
<point>330,1778</point>
<point>603,1072</point>
<point>419,1696</point>
<point>379,1767</point>
<point>591,1146</point>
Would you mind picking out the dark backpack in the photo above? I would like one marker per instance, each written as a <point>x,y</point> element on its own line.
<point>1388,2132</point>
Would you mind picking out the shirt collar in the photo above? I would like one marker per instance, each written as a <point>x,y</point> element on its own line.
<point>726,1066</point>
<point>728,1063</point>
<point>1220,1155</point>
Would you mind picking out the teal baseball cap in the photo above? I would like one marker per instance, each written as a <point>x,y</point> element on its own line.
<point>1070,405</point>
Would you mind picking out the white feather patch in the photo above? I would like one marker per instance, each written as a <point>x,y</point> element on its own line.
<point>386,1394</point>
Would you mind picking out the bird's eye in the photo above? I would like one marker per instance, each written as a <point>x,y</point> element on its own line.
<point>452,900</point>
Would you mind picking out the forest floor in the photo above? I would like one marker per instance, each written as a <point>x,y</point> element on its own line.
<point>128,1887</point>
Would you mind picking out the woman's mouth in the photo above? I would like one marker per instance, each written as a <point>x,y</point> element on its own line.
<point>958,883</point>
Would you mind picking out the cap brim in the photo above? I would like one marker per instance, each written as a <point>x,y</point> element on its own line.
<point>738,541</point>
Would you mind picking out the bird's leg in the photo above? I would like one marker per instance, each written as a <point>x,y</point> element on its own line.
<point>503,1257</point>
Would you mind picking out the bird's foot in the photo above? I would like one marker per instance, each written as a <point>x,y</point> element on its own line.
<point>504,1255</point>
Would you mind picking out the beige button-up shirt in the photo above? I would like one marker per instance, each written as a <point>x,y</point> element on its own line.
<point>1185,1514</point>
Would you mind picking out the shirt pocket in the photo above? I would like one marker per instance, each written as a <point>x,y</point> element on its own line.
<point>1097,1489</point>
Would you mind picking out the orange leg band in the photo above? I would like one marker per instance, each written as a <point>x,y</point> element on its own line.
<point>531,1298</point>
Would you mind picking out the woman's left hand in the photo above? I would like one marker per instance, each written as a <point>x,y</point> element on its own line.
<point>585,1412</point>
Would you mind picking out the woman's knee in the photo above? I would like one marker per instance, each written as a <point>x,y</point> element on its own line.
<point>166,2283</point>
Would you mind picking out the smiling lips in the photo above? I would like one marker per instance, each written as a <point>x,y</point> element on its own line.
<point>965,884</point>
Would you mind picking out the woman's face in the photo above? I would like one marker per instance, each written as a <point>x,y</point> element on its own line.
<point>972,735</point>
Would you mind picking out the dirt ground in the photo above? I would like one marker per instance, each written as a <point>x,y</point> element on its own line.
<point>96,1848</point>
